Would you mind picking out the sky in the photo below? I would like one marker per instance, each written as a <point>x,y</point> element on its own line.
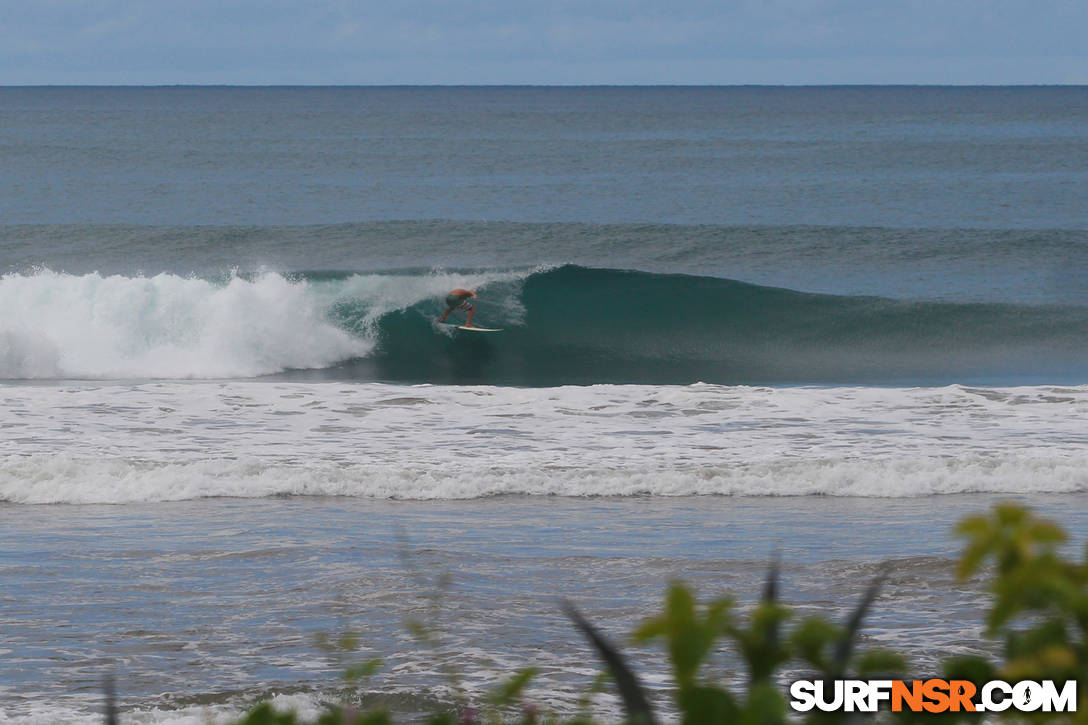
<point>538,42</point>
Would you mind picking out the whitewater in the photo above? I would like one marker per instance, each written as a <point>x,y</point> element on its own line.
<point>168,441</point>
<point>60,325</point>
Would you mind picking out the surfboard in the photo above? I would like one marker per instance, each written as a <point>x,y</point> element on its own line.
<point>473,328</point>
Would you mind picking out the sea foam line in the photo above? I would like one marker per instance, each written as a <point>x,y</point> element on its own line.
<point>117,443</point>
<point>62,479</point>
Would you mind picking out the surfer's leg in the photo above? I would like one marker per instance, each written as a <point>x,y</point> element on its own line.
<point>471,312</point>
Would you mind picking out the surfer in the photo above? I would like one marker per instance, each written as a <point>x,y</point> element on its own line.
<point>460,299</point>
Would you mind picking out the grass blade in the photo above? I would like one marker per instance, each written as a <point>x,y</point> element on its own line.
<point>770,589</point>
<point>634,697</point>
<point>111,700</point>
<point>853,624</point>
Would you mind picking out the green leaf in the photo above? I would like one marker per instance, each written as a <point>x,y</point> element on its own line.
<point>969,667</point>
<point>760,642</point>
<point>263,714</point>
<point>362,670</point>
<point>881,663</point>
<point>813,638</point>
<point>688,637</point>
<point>417,629</point>
<point>764,706</point>
<point>513,687</point>
<point>702,704</point>
<point>348,642</point>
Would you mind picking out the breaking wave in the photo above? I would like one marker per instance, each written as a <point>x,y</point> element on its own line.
<point>564,325</point>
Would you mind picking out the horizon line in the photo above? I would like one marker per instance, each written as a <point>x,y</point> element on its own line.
<point>544,85</point>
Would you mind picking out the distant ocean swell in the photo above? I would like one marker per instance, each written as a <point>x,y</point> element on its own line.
<point>563,325</point>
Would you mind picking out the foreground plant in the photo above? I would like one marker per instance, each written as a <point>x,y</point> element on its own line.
<point>1039,609</point>
<point>691,633</point>
<point>1039,612</point>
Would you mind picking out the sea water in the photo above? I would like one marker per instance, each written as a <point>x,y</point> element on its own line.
<point>826,322</point>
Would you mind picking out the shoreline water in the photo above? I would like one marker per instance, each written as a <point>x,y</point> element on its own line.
<point>230,592</point>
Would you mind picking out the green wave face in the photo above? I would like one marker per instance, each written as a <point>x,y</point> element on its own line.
<point>577,325</point>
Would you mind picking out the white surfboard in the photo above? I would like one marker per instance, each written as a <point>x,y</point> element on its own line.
<point>473,328</point>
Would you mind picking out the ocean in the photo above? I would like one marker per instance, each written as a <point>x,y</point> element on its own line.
<point>822,323</point>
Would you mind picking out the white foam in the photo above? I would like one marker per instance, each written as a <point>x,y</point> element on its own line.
<point>176,441</point>
<point>58,325</point>
<point>61,479</point>
<point>306,706</point>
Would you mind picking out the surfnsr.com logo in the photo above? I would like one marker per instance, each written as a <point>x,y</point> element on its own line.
<point>933,696</point>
